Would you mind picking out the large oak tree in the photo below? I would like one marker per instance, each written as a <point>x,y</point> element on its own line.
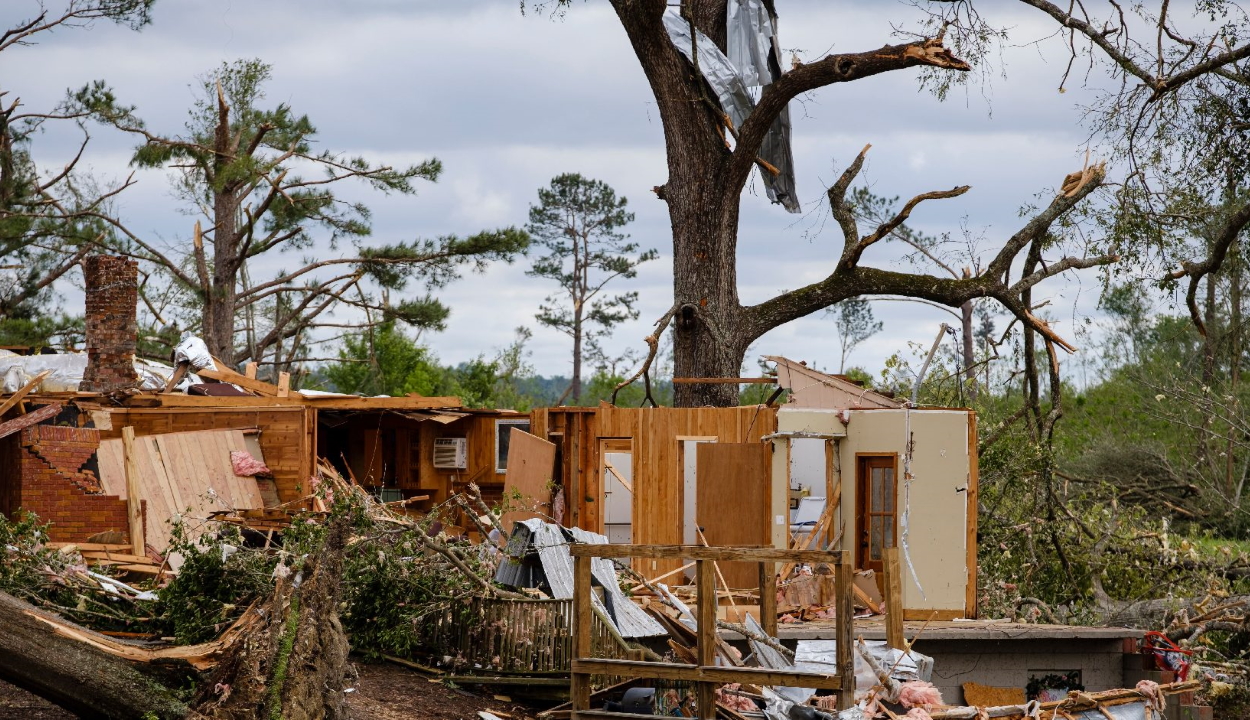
<point>710,162</point>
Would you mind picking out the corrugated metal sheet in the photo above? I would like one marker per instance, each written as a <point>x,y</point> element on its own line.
<point>538,556</point>
<point>631,620</point>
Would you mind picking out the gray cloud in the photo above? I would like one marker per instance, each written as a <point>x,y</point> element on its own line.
<point>508,101</point>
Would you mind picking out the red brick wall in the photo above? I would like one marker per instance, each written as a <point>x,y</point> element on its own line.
<point>112,297</point>
<point>55,486</point>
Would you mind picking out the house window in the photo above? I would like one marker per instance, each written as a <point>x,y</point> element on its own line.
<point>503,433</point>
<point>877,512</point>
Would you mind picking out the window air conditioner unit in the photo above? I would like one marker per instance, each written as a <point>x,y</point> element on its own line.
<point>451,453</point>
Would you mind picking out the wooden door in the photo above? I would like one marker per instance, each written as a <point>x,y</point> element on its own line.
<point>877,512</point>
<point>531,465</point>
<point>734,502</point>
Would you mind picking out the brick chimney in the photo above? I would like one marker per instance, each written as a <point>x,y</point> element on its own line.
<point>112,298</point>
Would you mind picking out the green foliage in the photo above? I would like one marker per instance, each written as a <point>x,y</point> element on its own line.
<point>28,561</point>
<point>578,221</point>
<point>385,361</point>
<point>215,583</point>
<point>1053,681</point>
<point>392,588</point>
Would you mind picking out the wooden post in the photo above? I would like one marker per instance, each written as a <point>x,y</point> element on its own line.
<point>768,597</point>
<point>284,384</point>
<point>844,628</point>
<point>833,492</point>
<point>893,599</point>
<point>249,370</point>
<point>134,512</point>
<point>579,692</point>
<point>705,579</point>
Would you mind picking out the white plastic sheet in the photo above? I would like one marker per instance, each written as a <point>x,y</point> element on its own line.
<point>67,371</point>
<point>193,350</point>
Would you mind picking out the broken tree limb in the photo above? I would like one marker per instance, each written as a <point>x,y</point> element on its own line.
<point>73,673</point>
<point>653,345</point>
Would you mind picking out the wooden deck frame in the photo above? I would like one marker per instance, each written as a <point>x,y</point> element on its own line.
<point>706,675</point>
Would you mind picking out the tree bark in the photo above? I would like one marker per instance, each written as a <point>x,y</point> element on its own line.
<point>73,674</point>
<point>221,296</point>
<point>970,355</point>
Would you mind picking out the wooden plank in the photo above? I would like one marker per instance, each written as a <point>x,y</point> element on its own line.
<point>284,384</point>
<point>91,547</point>
<point>35,417</point>
<point>579,691</point>
<point>324,402</point>
<point>706,647</point>
<point>531,462</point>
<point>229,376</point>
<point>698,552</point>
<point>971,518</point>
<point>844,622</point>
<point>249,370</point>
<point>176,376</point>
<point>893,599</point>
<point>714,674</point>
<point>932,615</point>
<point>179,400</point>
<point>734,501</point>
<point>112,468</point>
<point>134,512</point>
<point>768,597</point>
<point>16,397</point>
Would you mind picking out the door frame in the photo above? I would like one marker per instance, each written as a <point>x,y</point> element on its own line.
<point>862,500</point>
<point>611,445</point>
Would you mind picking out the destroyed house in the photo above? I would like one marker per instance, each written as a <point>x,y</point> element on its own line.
<point>830,463</point>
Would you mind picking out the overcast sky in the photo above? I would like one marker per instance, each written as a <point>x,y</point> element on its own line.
<point>507,101</point>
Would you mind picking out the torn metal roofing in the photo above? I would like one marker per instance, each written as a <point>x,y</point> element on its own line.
<point>538,556</point>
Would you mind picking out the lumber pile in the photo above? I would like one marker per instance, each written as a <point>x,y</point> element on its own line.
<point>114,556</point>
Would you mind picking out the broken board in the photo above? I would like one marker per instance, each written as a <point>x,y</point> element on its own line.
<point>184,476</point>
<point>531,464</point>
<point>732,503</point>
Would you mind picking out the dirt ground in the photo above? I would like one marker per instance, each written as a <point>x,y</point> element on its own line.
<point>384,691</point>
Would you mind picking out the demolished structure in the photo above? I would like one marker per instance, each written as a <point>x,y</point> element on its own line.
<point>749,539</point>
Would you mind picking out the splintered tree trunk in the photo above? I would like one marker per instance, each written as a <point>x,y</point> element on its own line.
<point>294,666</point>
<point>73,674</point>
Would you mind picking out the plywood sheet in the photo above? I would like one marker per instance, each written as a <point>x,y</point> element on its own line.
<point>182,476</point>
<point>531,462</point>
<point>733,502</point>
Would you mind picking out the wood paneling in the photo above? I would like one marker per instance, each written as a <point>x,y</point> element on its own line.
<point>185,475</point>
<point>573,431</point>
<point>285,436</point>
<point>657,472</point>
<point>531,464</point>
<point>733,502</point>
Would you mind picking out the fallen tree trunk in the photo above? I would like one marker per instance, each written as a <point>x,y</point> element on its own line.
<point>72,672</point>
